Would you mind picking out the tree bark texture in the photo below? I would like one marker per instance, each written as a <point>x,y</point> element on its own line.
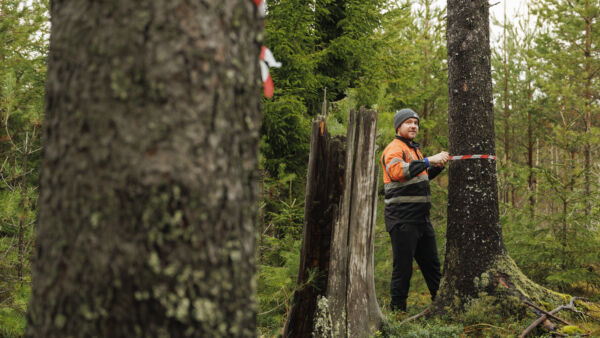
<point>474,236</point>
<point>323,193</point>
<point>148,180</point>
<point>351,286</point>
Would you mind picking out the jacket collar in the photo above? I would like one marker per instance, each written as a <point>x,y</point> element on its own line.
<point>411,144</point>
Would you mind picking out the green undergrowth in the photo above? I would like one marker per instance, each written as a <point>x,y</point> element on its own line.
<point>12,313</point>
<point>478,326</point>
<point>418,329</point>
<point>12,323</point>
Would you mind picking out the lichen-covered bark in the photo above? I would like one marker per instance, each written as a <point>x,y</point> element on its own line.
<point>147,200</point>
<point>474,236</point>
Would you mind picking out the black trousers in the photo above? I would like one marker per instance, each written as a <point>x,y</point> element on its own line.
<point>416,241</point>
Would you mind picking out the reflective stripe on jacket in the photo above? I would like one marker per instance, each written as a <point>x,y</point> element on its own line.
<point>406,181</point>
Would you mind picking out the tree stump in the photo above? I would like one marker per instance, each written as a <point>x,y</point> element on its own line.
<point>351,286</point>
<point>323,191</point>
<point>350,308</point>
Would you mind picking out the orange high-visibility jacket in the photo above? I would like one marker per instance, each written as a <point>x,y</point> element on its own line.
<point>406,176</point>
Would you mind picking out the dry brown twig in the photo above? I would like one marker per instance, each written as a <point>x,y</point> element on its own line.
<point>545,315</point>
<point>418,315</point>
<point>471,328</point>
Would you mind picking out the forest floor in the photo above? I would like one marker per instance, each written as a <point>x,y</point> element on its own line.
<point>473,324</point>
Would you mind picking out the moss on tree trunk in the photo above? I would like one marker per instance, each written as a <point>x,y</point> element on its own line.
<point>148,181</point>
<point>499,290</point>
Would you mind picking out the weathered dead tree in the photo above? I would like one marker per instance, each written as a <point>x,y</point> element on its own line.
<point>323,191</point>
<point>349,307</point>
<point>351,287</point>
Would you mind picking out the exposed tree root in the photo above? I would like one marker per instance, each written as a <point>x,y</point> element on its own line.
<point>504,291</point>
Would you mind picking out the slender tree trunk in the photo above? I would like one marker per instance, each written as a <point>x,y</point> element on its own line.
<point>588,112</point>
<point>261,234</point>
<point>426,108</point>
<point>530,138</point>
<point>24,204</point>
<point>531,181</point>
<point>148,182</point>
<point>23,214</point>
<point>565,196</point>
<point>507,163</point>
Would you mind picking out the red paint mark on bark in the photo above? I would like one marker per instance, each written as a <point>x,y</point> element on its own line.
<point>151,151</point>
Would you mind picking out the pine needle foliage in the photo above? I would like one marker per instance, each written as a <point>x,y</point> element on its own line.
<point>24,29</point>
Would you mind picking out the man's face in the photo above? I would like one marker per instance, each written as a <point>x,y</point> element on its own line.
<point>409,129</point>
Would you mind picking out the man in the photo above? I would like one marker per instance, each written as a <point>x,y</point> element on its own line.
<point>406,174</point>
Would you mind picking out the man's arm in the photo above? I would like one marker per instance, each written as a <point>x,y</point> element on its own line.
<point>401,171</point>
<point>432,172</point>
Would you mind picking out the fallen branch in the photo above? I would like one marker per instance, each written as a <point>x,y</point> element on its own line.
<point>545,315</point>
<point>572,305</point>
<point>548,313</point>
<point>471,328</point>
<point>418,315</point>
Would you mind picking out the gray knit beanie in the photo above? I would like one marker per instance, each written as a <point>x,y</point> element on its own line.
<point>403,115</point>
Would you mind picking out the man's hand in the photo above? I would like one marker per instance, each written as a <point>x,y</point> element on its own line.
<point>439,159</point>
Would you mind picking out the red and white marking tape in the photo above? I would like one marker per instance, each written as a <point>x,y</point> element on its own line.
<point>262,9</point>
<point>267,60</point>
<point>468,157</point>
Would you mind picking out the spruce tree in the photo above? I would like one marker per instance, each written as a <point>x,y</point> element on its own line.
<point>477,270</point>
<point>23,46</point>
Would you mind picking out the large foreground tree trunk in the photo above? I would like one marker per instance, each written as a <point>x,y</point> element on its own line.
<point>148,187</point>
<point>477,265</point>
